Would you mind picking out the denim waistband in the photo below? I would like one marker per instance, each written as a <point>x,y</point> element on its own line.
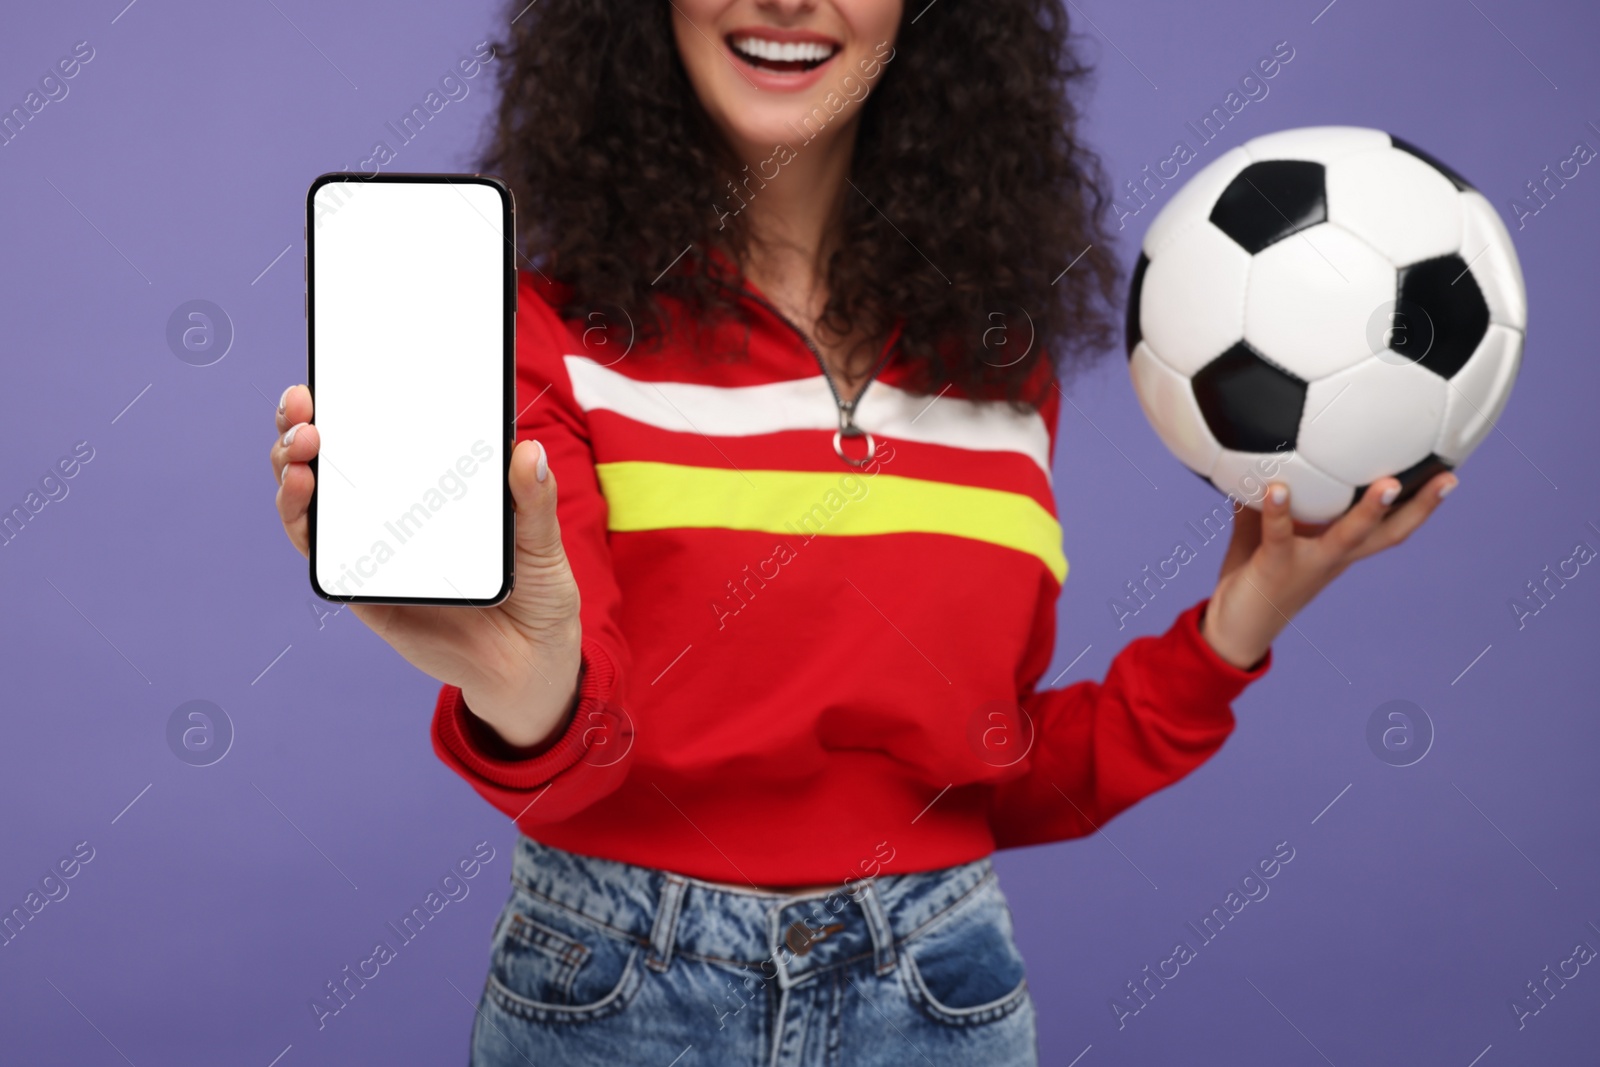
<point>787,937</point>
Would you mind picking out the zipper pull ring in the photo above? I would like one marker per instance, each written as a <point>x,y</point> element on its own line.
<point>848,428</point>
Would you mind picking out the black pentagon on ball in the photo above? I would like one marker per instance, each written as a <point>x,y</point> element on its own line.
<point>1461,184</point>
<point>1445,290</point>
<point>1249,404</point>
<point>1269,201</point>
<point>1412,479</point>
<point>1135,288</point>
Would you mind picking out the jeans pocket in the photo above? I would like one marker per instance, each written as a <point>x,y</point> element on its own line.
<point>550,966</point>
<point>964,969</point>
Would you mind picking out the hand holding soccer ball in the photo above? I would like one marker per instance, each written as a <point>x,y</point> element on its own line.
<point>1334,306</point>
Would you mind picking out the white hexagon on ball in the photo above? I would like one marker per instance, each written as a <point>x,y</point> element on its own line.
<point>1396,203</point>
<point>1487,248</point>
<point>1478,393</point>
<point>1310,298</point>
<point>1194,293</point>
<point>1372,420</point>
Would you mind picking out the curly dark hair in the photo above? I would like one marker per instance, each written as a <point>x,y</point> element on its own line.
<point>975,193</point>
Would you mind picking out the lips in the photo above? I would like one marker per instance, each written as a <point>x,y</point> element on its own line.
<point>782,51</point>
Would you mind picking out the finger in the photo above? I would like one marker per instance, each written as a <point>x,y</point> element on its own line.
<point>533,488</point>
<point>296,447</point>
<point>1277,524</point>
<point>1405,519</point>
<point>295,481</point>
<point>1349,530</point>
<point>280,419</point>
<point>294,497</point>
<point>293,406</point>
<point>1246,536</point>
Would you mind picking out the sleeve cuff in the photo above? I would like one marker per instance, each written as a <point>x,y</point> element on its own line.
<point>469,745</point>
<point>1198,684</point>
<point>1189,626</point>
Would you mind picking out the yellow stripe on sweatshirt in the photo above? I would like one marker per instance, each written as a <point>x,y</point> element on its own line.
<point>644,495</point>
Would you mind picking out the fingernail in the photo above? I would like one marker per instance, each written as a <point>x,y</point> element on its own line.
<point>283,400</point>
<point>288,438</point>
<point>542,470</point>
<point>1444,490</point>
<point>284,476</point>
<point>1280,493</point>
<point>1388,495</point>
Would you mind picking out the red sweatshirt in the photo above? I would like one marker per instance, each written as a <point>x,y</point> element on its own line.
<point>796,671</point>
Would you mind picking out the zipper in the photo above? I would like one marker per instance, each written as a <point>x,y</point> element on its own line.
<point>847,408</point>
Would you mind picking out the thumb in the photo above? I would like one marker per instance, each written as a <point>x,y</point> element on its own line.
<point>1277,523</point>
<point>533,489</point>
<point>1246,536</point>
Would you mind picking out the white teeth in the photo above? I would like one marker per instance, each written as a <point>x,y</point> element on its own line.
<point>783,52</point>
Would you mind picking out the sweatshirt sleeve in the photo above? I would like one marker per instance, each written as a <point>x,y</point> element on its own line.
<point>1098,747</point>
<point>1164,708</point>
<point>587,759</point>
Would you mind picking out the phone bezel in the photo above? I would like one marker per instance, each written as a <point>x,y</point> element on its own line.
<point>508,376</point>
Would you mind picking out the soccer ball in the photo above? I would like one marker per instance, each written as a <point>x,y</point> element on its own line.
<point>1324,307</point>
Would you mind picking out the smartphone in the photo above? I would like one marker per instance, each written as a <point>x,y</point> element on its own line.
<point>410,311</point>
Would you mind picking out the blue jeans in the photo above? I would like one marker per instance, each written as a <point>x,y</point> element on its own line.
<point>597,962</point>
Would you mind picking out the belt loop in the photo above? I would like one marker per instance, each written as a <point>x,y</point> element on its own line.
<point>878,924</point>
<point>665,927</point>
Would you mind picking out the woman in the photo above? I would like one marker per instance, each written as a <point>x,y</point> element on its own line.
<point>765,699</point>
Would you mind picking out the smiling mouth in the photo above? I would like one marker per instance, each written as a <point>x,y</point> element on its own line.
<point>782,57</point>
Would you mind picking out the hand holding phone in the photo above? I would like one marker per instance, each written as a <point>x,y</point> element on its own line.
<point>427,512</point>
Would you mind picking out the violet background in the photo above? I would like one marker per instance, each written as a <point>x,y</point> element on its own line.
<point>1415,908</point>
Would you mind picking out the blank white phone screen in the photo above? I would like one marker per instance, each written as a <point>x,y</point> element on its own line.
<point>408,309</point>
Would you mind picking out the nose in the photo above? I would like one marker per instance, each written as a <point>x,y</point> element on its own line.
<point>787,10</point>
